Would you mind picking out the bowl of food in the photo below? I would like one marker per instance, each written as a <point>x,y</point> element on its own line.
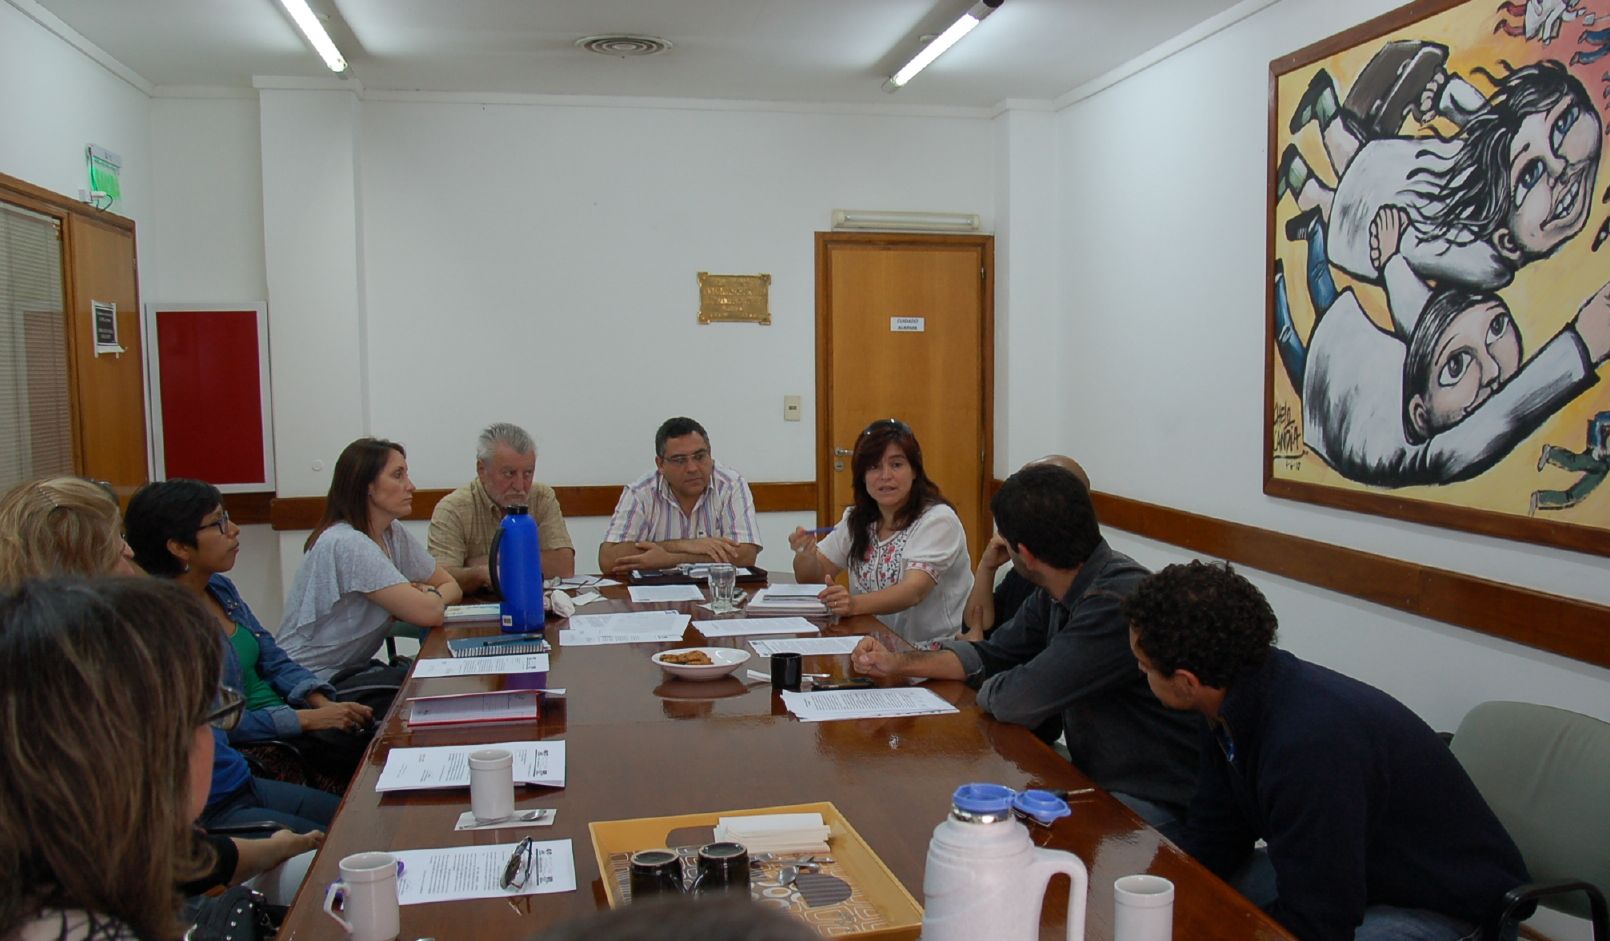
<point>700,663</point>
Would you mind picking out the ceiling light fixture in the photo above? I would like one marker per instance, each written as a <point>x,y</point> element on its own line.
<point>884,220</point>
<point>309,24</point>
<point>936,47</point>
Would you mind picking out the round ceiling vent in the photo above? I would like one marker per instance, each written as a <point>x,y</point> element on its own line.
<point>624,46</point>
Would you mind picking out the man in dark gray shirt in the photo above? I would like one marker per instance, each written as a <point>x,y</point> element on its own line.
<point>1066,651</point>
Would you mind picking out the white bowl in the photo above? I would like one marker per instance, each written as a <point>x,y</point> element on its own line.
<point>723,661</point>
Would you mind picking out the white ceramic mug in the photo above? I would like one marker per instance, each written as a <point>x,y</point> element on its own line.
<point>1143,909</point>
<point>368,893</point>
<point>491,784</point>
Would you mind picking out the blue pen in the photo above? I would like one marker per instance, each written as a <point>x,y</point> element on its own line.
<point>820,531</point>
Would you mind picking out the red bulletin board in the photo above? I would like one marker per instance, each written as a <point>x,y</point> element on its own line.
<point>210,395</point>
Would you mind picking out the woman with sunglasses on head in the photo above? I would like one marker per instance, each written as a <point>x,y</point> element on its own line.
<point>61,526</point>
<point>362,568</point>
<point>901,540</point>
<point>70,526</point>
<point>85,664</point>
<point>180,530</point>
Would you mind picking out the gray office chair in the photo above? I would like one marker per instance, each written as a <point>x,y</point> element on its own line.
<point>1544,772</point>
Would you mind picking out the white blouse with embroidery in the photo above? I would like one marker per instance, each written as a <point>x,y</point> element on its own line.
<point>936,545</point>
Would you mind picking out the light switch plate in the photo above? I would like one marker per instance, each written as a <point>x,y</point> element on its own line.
<point>791,406</point>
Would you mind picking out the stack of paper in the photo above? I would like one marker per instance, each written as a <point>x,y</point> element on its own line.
<point>866,704</point>
<point>496,645</point>
<point>470,613</point>
<point>787,600</point>
<point>467,708</point>
<point>635,627</point>
<point>776,833</point>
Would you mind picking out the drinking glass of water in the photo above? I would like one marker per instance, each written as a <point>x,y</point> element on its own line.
<point>723,587</point>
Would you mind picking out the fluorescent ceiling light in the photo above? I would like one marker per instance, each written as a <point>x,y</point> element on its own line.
<point>883,220</point>
<point>936,47</point>
<point>310,26</point>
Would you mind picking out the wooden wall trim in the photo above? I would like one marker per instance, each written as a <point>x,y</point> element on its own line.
<point>301,513</point>
<point>1567,626</point>
<point>45,202</point>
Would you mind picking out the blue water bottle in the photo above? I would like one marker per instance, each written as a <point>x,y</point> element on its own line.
<point>515,564</point>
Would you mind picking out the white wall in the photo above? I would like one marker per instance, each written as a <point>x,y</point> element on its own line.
<point>1162,321</point>
<point>54,101</point>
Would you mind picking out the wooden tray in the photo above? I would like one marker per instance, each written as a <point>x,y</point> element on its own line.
<point>880,907</point>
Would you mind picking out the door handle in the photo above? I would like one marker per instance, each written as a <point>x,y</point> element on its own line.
<point>842,452</point>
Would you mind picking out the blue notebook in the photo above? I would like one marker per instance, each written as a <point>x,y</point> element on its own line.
<point>504,645</point>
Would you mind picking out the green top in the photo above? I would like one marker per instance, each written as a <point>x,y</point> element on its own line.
<point>259,695</point>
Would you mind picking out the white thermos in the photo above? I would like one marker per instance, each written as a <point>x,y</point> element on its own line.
<point>986,878</point>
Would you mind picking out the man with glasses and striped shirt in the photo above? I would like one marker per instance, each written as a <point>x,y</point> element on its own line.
<point>688,509</point>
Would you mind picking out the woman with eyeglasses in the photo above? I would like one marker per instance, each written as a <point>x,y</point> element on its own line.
<point>116,682</point>
<point>901,540</point>
<point>180,530</point>
<point>68,526</point>
<point>362,567</point>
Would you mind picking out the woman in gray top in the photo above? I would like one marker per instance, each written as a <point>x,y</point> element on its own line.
<point>362,567</point>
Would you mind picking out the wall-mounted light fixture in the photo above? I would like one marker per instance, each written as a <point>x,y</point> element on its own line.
<point>880,220</point>
<point>936,47</point>
<point>302,15</point>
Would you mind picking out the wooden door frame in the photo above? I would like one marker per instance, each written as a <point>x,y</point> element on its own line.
<point>824,378</point>
<point>70,215</point>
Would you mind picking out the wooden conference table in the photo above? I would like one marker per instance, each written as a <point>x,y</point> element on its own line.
<point>641,745</point>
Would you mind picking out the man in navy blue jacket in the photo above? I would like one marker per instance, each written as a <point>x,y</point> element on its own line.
<point>1374,831</point>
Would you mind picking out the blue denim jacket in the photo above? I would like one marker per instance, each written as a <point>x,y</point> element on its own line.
<point>290,679</point>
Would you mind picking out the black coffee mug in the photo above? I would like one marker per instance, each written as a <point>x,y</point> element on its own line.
<point>723,867</point>
<point>655,872</point>
<point>787,671</point>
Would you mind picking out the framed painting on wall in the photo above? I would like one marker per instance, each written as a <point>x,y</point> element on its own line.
<point>1438,279</point>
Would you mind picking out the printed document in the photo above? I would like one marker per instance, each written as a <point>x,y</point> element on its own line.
<point>413,769</point>
<point>631,627</point>
<point>866,704</point>
<point>643,594</point>
<point>738,627</point>
<point>808,646</point>
<point>476,872</point>
<point>482,666</point>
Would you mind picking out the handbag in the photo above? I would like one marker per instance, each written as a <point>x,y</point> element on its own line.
<point>239,914</point>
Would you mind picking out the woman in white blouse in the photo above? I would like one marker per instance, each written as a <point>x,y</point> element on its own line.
<point>362,567</point>
<point>901,540</point>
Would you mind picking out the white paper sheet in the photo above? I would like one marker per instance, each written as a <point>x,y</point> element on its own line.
<point>462,613</point>
<point>643,594</point>
<point>808,646</point>
<point>865,704</point>
<point>629,627</point>
<point>476,872</point>
<point>587,597</point>
<point>413,769</point>
<point>482,666</point>
<point>738,627</point>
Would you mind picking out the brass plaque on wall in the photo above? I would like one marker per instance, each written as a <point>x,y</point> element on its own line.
<point>734,298</point>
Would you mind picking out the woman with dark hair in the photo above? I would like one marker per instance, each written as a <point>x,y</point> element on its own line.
<point>129,664</point>
<point>180,530</point>
<point>362,567</point>
<point>901,540</point>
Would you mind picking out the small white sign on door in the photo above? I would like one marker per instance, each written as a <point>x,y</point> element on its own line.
<point>907,324</point>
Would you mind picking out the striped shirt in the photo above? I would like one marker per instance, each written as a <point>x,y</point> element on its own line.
<point>648,511</point>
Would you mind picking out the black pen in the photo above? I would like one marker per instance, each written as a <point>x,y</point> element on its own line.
<point>857,683</point>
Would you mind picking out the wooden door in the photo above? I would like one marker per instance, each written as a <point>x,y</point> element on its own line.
<point>905,329</point>
<point>109,388</point>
